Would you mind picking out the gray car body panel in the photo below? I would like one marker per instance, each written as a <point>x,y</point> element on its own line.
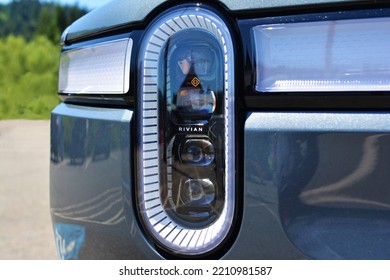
<point>91,183</point>
<point>92,191</point>
<point>126,12</point>
<point>312,181</point>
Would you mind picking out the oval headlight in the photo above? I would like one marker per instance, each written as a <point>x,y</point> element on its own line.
<point>186,190</point>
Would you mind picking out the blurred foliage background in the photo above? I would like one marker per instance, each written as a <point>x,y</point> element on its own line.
<point>29,56</point>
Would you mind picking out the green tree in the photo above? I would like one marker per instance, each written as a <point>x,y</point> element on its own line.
<point>47,24</point>
<point>29,56</point>
<point>28,77</point>
<point>29,18</point>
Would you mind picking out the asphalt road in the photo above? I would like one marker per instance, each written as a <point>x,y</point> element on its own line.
<point>25,226</point>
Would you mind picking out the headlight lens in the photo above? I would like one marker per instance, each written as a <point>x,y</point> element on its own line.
<point>186,191</point>
<point>102,68</point>
<point>341,55</point>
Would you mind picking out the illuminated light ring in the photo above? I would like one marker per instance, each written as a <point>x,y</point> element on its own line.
<point>175,237</point>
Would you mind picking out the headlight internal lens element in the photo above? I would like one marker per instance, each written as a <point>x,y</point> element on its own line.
<point>197,151</point>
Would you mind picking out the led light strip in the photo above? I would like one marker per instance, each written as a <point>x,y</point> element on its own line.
<point>172,235</point>
<point>96,69</point>
<point>328,56</point>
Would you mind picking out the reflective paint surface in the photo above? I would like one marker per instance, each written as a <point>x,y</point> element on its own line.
<point>119,12</point>
<point>325,184</point>
<point>91,190</point>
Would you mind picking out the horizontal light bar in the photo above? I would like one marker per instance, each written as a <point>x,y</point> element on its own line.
<point>341,55</point>
<point>101,68</point>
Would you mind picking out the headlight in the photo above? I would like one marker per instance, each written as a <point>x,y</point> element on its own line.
<point>102,68</point>
<point>340,55</point>
<point>186,123</point>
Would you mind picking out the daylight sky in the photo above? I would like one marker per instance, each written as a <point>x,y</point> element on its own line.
<point>90,4</point>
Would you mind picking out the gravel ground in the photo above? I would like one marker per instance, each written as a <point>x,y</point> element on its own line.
<point>25,226</point>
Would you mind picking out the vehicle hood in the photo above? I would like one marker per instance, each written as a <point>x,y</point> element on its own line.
<point>118,13</point>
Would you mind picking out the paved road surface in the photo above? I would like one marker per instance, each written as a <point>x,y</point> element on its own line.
<point>25,225</point>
